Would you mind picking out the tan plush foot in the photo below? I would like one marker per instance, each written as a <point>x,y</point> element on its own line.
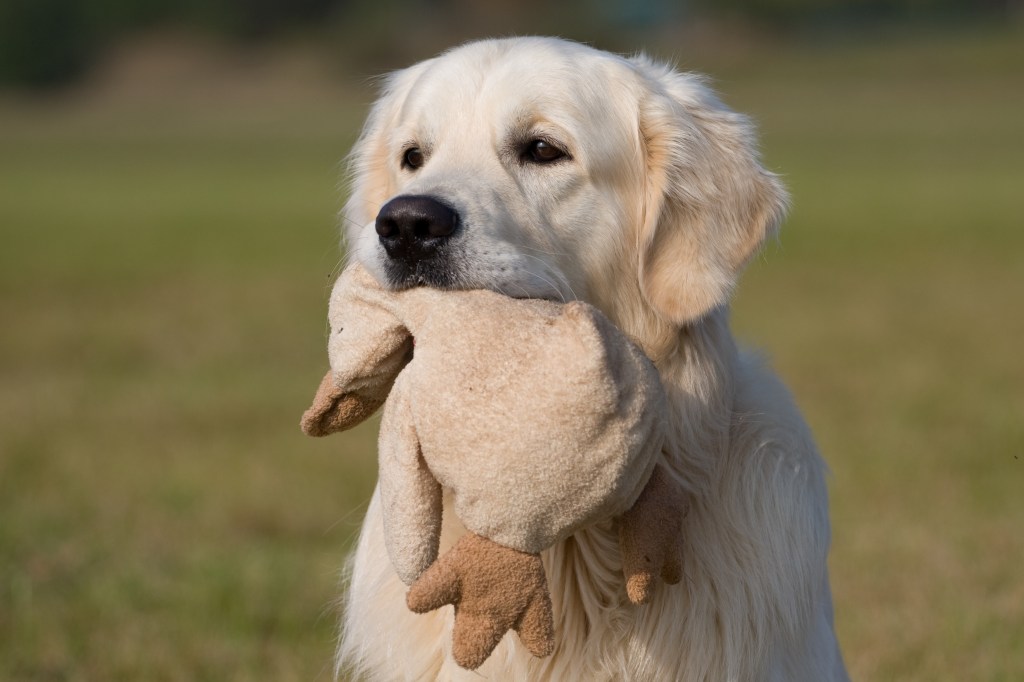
<point>650,538</point>
<point>494,589</point>
<point>537,629</point>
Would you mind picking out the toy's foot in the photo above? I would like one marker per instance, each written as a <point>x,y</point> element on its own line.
<point>494,589</point>
<point>650,538</point>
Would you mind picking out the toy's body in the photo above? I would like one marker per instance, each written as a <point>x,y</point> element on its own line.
<point>539,419</point>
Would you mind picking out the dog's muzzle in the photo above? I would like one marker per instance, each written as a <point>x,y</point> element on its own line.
<point>412,228</point>
<point>414,231</point>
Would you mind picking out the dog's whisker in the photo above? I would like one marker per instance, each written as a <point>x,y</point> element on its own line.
<point>526,293</point>
<point>345,219</point>
<point>551,284</point>
<point>561,278</point>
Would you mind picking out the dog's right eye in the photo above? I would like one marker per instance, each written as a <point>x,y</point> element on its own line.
<point>412,158</point>
<point>542,152</point>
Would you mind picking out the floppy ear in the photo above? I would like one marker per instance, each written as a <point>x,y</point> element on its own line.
<point>709,204</point>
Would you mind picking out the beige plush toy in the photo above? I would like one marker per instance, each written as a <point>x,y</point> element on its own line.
<point>538,418</point>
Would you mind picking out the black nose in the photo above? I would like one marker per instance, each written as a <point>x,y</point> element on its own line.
<point>414,227</point>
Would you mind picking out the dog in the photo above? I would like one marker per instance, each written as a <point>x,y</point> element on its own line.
<point>542,168</point>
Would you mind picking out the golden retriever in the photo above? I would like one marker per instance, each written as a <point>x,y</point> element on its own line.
<point>543,168</point>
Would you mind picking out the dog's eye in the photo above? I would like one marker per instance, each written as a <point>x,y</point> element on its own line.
<point>412,158</point>
<point>542,151</point>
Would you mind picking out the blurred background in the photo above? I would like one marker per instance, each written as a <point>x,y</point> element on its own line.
<point>169,179</point>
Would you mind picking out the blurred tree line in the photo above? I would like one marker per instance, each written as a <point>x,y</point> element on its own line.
<point>52,42</point>
<point>46,43</point>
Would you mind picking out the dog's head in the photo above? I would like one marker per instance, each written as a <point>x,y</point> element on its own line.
<point>542,168</point>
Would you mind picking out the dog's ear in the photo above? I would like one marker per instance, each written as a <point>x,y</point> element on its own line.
<point>709,204</point>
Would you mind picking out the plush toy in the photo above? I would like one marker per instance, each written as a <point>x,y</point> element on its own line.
<point>538,418</point>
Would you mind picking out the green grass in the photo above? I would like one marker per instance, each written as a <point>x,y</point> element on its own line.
<point>163,274</point>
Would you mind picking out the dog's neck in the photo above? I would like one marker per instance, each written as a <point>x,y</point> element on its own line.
<point>699,377</point>
<point>698,364</point>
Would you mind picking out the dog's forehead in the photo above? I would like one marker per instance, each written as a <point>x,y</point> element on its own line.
<point>514,80</point>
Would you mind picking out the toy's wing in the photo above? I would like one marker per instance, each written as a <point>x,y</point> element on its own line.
<point>409,493</point>
<point>368,346</point>
<point>335,410</point>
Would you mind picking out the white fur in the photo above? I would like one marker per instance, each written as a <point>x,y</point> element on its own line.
<point>652,218</point>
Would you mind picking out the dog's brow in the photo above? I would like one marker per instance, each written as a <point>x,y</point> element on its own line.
<point>532,127</point>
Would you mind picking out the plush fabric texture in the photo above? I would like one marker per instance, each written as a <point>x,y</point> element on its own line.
<point>539,418</point>
<point>650,538</point>
<point>333,409</point>
<point>494,589</point>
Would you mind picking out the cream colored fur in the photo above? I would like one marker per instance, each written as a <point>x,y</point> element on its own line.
<point>658,206</point>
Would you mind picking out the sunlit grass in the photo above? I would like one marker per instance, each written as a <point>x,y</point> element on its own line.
<point>891,305</point>
<point>163,284</point>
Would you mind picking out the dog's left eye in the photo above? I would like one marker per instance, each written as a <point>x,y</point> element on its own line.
<point>542,151</point>
<point>412,158</point>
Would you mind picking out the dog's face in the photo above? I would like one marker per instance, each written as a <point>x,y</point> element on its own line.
<point>543,168</point>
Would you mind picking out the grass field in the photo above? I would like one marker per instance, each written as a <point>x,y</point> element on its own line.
<point>164,263</point>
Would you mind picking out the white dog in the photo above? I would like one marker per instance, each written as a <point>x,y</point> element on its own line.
<point>543,168</point>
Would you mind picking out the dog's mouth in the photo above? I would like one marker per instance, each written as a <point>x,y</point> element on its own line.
<point>454,264</point>
<point>442,273</point>
<point>438,271</point>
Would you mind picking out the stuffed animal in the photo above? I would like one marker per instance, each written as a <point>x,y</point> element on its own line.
<point>538,418</point>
